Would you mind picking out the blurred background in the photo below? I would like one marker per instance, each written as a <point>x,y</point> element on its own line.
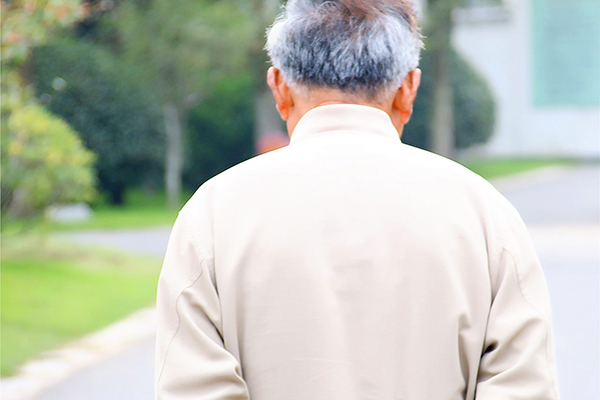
<point>114,112</point>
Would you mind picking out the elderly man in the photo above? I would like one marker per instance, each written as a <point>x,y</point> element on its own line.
<point>349,265</point>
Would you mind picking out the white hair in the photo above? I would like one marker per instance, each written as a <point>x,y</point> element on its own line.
<point>364,48</point>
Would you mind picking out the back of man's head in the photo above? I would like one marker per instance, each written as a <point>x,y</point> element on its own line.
<point>360,47</point>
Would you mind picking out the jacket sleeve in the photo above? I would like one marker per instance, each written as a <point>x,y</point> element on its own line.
<point>191,361</point>
<point>518,361</point>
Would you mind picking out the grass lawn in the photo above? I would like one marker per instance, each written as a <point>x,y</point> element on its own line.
<point>140,210</point>
<point>111,217</point>
<point>53,293</point>
<point>496,168</point>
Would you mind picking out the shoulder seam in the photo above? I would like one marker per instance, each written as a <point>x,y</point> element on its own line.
<point>195,242</point>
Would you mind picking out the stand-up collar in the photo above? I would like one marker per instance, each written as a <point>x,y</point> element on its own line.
<point>344,118</point>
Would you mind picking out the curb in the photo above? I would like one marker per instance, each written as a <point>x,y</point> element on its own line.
<point>57,365</point>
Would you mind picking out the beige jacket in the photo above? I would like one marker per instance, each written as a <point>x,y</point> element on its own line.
<point>351,266</point>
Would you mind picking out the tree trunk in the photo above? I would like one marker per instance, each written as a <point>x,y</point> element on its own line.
<point>173,155</point>
<point>439,23</point>
<point>442,123</point>
<point>19,206</point>
<point>117,195</point>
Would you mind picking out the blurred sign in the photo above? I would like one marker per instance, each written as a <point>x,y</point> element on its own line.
<point>566,52</point>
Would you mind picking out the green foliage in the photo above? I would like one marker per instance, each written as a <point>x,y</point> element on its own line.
<point>108,105</point>
<point>122,65</point>
<point>181,47</point>
<point>474,108</point>
<point>220,130</point>
<point>26,24</point>
<point>141,210</point>
<point>43,162</point>
<point>55,292</point>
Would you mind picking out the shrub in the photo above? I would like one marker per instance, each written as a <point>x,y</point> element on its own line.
<point>113,112</point>
<point>43,163</point>
<point>473,104</point>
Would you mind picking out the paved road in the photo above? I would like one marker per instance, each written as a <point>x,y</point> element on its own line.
<point>151,241</point>
<point>562,211</point>
<point>127,376</point>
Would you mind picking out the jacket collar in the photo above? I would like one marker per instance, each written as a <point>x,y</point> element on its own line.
<point>344,118</point>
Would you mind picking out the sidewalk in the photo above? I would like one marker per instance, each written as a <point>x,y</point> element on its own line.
<point>56,366</point>
<point>562,210</point>
<point>61,366</point>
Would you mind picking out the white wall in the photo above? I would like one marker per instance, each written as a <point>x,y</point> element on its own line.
<point>498,45</point>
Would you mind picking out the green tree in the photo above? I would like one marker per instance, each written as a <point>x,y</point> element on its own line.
<point>454,108</point>
<point>472,105</point>
<point>237,109</point>
<point>181,47</point>
<point>106,103</point>
<point>438,30</point>
<point>43,163</point>
<point>42,160</point>
<point>26,24</point>
<point>220,129</point>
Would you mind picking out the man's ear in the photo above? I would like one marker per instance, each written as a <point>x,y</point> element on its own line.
<point>281,92</point>
<point>405,98</point>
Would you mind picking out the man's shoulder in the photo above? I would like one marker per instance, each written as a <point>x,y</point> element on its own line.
<point>247,171</point>
<point>252,168</point>
<point>456,177</point>
<point>427,163</point>
<point>289,164</point>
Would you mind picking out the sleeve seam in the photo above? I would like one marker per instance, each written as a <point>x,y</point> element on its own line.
<point>200,254</point>
<point>162,367</point>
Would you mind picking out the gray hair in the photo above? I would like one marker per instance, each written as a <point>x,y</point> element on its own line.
<point>363,48</point>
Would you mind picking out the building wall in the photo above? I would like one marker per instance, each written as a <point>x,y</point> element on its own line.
<point>501,44</point>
